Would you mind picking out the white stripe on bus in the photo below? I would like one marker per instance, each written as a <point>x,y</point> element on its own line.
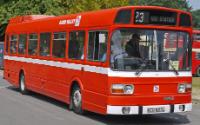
<point>73,66</point>
<point>99,70</point>
<point>196,50</point>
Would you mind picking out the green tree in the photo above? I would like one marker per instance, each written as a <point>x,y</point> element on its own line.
<point>196,19</point>
<point>177,4</point>
<point>12,8</point>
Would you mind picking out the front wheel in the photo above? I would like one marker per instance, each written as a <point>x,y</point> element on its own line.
<point>198,72</point>
<point>22,84</point>
<point>76,100</point>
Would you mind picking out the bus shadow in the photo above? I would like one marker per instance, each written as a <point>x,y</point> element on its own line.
<point>42,98</point>
<point>161,119</point>
<point>168,119</point>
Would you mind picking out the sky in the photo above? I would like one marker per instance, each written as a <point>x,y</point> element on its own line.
<point>195,4</point>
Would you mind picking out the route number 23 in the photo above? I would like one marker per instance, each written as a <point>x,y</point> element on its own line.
<point>139,18</point>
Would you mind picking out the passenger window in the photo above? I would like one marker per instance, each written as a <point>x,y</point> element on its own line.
<point>76,45</point>
<point>33,44</point>
<point>59,44</point>
<point>22,44</point>
<point>13,44</point>
<point>7,42</point>
<point>45,39</point>
<point>97,46</point>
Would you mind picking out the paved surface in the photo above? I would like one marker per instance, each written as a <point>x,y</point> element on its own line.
<point>35,109</point>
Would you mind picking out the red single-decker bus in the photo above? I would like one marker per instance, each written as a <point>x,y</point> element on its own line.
<point>196,53</point>
<point>122,61</point>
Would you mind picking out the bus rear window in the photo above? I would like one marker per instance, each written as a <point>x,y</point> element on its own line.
<point>123,17</point>
<point>185,20</point>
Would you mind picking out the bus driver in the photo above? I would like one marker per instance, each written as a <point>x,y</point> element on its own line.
<point>132,46</point>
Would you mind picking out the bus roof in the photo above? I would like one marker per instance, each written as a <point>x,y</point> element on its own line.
<point>88,19</point>
<point>20,19</point>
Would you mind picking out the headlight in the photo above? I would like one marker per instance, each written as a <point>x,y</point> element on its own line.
<point>181,88</point>
<point>184,87</point>
<point>122,89</point>
<point>128,89</point>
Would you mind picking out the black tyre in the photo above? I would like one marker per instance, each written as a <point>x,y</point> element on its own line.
<point>198,72</point>
<point>76,100</point>
<point>22,84</point>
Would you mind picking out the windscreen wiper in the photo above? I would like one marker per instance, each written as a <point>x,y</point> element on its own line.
<point>174,69</point>
<point>141,68</point>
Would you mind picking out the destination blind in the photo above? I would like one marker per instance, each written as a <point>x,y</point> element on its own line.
<point>155,17</point>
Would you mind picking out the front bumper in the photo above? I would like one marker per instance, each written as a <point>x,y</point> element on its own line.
<point>150,109</point>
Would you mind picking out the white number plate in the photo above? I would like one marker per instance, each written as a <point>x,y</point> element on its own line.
<point>156,109</point>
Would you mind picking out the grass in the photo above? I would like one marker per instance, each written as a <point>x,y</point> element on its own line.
<point>196,82</point>
<point>196,88</point>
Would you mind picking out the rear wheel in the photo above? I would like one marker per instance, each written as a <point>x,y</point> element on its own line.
<point>76,100</point>
<point>22,84</point>
<point>198,72</point>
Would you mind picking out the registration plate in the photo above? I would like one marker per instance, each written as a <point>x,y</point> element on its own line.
<point>156,109</point>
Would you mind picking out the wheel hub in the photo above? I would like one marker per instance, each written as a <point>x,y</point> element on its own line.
<point>22,84</point>
<point>77,98</point>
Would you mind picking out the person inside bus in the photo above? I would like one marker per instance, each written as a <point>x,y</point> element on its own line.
<point>44,48</point>
<point>116,47</point>
<point>13,47</point>
<point>34,51</point>
<point>117,50</point>
<point>132,46</point>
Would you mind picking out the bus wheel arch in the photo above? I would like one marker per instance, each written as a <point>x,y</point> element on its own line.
<point>75,98</point>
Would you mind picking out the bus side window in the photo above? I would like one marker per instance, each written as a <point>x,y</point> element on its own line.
<point>97,46</point>
<point>33,44</point>
<point>7,43</point>
<point>45,39</point>
<point>22,44</point>
<point>59,45</point>
<point>13,44</point>
<point>76,45</point>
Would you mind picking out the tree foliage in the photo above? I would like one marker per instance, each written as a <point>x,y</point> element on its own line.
<point>196,19</point>
<point>177,4</point>
<point>12,8</point>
